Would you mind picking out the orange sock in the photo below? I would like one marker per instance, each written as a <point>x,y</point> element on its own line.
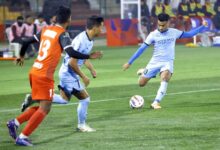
<point>25,116</point>
<point>34,121</point>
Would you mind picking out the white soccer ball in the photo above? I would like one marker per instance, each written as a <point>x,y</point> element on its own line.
<point>136,101</point>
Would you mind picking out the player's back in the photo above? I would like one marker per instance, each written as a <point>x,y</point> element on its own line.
<point>49,52</point>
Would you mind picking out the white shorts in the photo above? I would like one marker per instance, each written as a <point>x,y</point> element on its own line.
<point>153,68</point>
<point>71,84</point>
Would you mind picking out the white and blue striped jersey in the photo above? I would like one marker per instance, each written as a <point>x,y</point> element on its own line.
<point>164,44</point>
<point>80,43</point>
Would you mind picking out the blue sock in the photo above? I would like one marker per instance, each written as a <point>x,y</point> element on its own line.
<point>58,99</point>
<point>82,110</point>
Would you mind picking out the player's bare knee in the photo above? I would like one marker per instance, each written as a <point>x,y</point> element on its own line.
<point>142,84</point>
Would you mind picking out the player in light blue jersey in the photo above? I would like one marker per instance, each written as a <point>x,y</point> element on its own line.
<point>163,39</point>
<point>70,73</point>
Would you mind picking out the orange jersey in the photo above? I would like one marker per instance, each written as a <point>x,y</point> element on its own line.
<point>49,52</point>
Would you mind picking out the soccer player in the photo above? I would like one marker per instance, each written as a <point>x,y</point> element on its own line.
<point>70,73</point>
<point>53,40</point>
<point>163,39</point>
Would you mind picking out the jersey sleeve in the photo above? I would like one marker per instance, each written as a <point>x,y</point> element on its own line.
<point>65,42</point>
<point>178,33</point>
<point>76,43</point>
<point>149,40</point>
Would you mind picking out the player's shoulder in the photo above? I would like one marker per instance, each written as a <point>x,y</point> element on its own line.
<point>173,30</point>
<point>55,28</point>
<point>152,33</point>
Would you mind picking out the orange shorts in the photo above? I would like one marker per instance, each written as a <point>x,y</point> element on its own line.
<point>42,87</point>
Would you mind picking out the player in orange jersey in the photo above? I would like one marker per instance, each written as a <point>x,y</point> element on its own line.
<point>53,40</point>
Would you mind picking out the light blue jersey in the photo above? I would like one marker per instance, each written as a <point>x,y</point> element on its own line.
<point>68,78</point>
<point>164,44</point>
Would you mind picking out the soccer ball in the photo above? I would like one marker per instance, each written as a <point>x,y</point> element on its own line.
<point>136,101</point>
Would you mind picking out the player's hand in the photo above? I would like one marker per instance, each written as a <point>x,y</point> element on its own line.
<point>19,61</point>
<point>93,73</point>
<point>205,23</point>
<point>126,66</point>
<point>95,55</point>
<point>86,81</point>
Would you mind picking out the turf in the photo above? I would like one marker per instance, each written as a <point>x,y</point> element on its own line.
<point>188,120</point>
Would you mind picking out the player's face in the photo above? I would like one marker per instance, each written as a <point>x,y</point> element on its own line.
<point>163,25</point>
<point>98,30</point>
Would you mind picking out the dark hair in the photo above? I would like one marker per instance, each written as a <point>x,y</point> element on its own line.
<point>163,17</point>
<point>40,15</point>
<point>63,14</point>
<point>20,18</point>
<point>94,21</point>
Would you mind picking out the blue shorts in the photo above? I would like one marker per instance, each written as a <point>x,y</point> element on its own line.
<point>153,68</point>
<point>70,84</point>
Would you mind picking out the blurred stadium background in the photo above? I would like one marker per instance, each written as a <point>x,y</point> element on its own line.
<point>133,29</point>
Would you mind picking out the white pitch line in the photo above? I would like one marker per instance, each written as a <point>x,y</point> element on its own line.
<point>114,99</point>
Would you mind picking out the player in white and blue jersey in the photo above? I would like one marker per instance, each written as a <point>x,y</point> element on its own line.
<point>70,73</point>
<point>163,39</point>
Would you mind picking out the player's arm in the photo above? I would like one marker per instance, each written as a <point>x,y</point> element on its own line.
<point>140,50</point>
<point>25,43</point>
<point>65,42</point>
<point>74,65</point>
<point>91,68</point>
<point>193,32</point>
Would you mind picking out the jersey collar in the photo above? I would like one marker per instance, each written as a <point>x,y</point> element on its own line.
<point>163,31</point>
<point>88,36</point>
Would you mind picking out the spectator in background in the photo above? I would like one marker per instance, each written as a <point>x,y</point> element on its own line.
<point>145,18</point>
<point>183,14</point>
<point>208,9</point>
<point>183,9</point>
<point>216,18</point>
<point>199,11</point>
<point>31,29</point>
<point>17,31</point>
<point>192,8</point>
<point>157,9</point>
<point>169,10</point>
<point>40,22</point>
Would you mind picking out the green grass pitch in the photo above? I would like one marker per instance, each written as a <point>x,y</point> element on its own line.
<point>189,119</point>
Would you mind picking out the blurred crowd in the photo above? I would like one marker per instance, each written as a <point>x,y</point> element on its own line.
<point>180,18</point>
<point>26,27</point>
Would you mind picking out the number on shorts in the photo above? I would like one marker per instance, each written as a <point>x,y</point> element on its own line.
<point>51,92</point>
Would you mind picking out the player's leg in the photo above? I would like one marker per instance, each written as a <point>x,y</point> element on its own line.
<point>34,121</point>
<point>82,109</point>
<point>149,72</point>
<point>27,102</point>
<point>165,76</point>
<point>63,97</point>
<point>143,81</point>
<point>15,123</point>
<point>42,90</point>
